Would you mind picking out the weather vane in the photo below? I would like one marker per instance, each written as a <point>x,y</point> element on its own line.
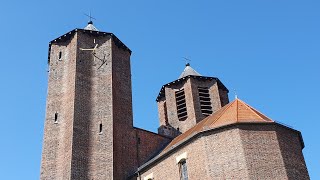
<point>235,94</point>
<point>90,17</point>
<point>187,60</point>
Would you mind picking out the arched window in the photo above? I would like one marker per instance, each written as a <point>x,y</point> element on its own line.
<point>183,170</point>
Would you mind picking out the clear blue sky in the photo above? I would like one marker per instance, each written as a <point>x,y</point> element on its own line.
<point>268,51</point>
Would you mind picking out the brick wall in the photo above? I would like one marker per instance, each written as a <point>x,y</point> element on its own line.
<point>291,152</point>
<point>122,114</point>
<point>92,151</point>
<point>215,155</point>
<point>56,153</point>
<point>254,151</point>
<point>262,151</point>
<point>213,92</point>
<point>168,168</point>
<point>148,145</point>
<point>224,155</point>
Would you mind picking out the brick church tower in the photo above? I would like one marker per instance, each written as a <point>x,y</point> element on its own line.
<point>89,133</point>
<point>189,99</point>
<point>215,139</point>
<point>89,109</point>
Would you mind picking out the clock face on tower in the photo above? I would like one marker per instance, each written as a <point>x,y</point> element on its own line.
<point>98,54</point>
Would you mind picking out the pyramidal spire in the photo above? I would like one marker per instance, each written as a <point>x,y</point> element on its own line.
<point>188,70</point>
<point>91,27</point>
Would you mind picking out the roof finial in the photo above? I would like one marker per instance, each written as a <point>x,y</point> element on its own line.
<point>90,18</point>
<point>187,61</point>
<point>188,70</point>
<point>90,23</point>
<point>235,94</point>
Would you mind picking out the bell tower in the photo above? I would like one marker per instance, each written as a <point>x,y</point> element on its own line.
<point>89,109</point>
<point>188,100</point>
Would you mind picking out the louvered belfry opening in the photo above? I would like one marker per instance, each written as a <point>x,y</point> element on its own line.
<point>205,101</point>
<point>181,105</point>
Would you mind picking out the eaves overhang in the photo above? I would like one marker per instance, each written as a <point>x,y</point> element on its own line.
<point>193,136</point>
<point>184,79</point>
<point>70,34</point>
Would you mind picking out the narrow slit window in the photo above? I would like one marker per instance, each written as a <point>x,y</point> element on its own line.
<point>100,128</point>
<point>60,55</point>
<point>183,170</point>
<point>55,117</point>
<point>205,101</point>
<point>181,105</point>
<point>165,112</point>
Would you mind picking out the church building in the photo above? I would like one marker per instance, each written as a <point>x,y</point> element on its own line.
<point>89,132</point>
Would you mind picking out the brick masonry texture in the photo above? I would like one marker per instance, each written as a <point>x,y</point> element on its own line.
<point>244,151</point>
<point>92,152</point>
<point>89,131</point>
<point>57,141</point>
<point>168,168</point>
<point>149,145</point>
<point>168,114</point>
<point>86,96</point>
<point>273,152</point>
<point>291,151</point>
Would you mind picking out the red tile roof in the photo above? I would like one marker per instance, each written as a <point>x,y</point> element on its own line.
<point>232,113</point>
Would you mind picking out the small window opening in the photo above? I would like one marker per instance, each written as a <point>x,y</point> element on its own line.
<point>100,128</point>
<point>183,170</point>
<point>181,105</point>
<point>60,55</point>
<point>165,112</point>
<point>56,118</point>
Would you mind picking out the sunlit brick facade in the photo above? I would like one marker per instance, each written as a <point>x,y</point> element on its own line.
<point>89,131</point>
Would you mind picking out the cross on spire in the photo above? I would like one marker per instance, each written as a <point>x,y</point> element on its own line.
<point>90,18</point>
<point>187,61</point>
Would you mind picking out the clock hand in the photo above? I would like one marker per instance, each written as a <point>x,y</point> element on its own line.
<point>92,49</point>
<point>97,57</point>
<point>103,62</point>
<point>86,49</point>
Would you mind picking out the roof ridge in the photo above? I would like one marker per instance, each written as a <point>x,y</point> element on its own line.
<point>256,112</point>
<point>237,111</point>
<point>222,112</point>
